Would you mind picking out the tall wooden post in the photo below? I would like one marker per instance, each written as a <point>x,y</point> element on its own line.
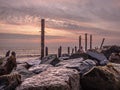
<point>42,37</point>
<point>68,50</point>
<point>85,41</point>
<point>79,42</point>
<point>46,51</point>
<point>90,41</point>
<point>102,43</point>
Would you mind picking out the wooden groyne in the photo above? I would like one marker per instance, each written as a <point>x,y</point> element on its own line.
<point>70,50</point>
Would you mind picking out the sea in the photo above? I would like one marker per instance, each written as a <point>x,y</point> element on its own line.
<point>24,54</point>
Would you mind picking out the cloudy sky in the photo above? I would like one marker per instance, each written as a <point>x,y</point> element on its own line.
<point>65,21</point>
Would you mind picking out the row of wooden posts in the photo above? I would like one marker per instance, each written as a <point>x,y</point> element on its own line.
<point>60,48</point>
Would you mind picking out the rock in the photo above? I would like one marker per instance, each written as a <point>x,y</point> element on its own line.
<point>1,60</point>
<point>39,68</point>
<point>99,57</point>
<point>64,57</point>
<point>33,62</point>
<point>70,62</point>
<point>50,59</point>
<point>114,58</point>
<point>56,78</point>
<point>83,66</point>
<point>23,71</point>
<point>79,55</point>
<point>102,78</point>
<point>110,50</point>
<point>10,81</point>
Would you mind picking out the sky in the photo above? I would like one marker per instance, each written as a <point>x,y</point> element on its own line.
<point>65,20</point>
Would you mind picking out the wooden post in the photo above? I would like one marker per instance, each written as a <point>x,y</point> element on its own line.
<point>75,49</point>
<point>42,37</point>
<point>68,50</point>
<point>72,50</point>
<point>90,42</point>
<point>102,43</point>
<point>85,41</point>
<point>59,51</point>
<point>79,42</point>
<point>46,51</point>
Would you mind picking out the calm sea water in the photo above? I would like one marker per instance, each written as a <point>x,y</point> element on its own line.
<point>22,52</point>
<point>29,53</point>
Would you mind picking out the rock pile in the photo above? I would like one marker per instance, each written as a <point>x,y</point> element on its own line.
<point>90,71</point>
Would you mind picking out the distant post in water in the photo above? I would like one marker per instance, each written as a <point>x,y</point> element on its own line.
<point>90,41</point>
<point>102,43</point>
<point>42,37</point>
<point>75,49</point>
<point>59,51</point>
<point>68,50</point>
<point>85,41</point>
<point>46,51</point>
<point>79,42</point>
<point>72,50</point>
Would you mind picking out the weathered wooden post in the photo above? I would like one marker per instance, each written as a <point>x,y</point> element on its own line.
<point>85,41</point>
<point>75,49</point>
<point>42,37</point>
<point>72,50</point>
<point>46,51</point>
<point>68,50</point>
<point>90,41</point>
<point>79,42</point>
<point>102,43</point>
<point>59,51</point>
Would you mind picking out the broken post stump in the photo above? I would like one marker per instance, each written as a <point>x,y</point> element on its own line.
<point>46,51</point>
<point>68,50</point>
<point>75,49</point>
<point>90,42</point>
<point>59,51</point>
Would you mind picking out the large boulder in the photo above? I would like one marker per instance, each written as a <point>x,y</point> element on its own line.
<point>54,78</point>
<point>39,68</point>
<point>83,66</point>
<point>102,78</point>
